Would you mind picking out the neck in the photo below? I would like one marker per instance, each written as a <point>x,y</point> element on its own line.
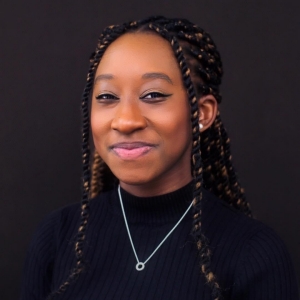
<point>165,208</point>
<point>155,188</point>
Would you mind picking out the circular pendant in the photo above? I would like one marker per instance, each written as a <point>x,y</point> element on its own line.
<point>140,266</point>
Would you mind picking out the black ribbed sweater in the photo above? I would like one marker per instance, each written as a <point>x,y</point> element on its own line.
<point>249,260</point>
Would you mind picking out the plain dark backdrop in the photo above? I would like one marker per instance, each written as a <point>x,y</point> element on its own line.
<point>45,46</point>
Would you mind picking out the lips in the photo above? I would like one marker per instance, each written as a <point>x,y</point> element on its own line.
<point>132,150</point>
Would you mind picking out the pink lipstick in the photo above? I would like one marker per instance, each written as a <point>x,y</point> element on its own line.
<point>131,151</point>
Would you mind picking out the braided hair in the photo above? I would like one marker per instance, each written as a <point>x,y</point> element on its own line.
<point>211,159</point>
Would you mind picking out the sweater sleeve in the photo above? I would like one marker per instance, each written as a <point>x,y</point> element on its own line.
<point>265,270</point>
<point>37,273</point>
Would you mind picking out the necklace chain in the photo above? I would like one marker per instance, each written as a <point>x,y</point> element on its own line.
<point>141,265</point>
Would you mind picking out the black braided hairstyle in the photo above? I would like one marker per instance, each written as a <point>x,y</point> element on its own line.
<point>211,159</point>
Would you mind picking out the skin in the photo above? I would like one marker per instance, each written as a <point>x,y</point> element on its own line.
<point>140,116</point>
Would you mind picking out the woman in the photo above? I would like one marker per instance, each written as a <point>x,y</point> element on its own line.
<point>168,218</point>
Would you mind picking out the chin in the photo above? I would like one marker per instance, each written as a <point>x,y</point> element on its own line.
<point>133,180</point>
<point>133,173</point>
<point>133,176</point>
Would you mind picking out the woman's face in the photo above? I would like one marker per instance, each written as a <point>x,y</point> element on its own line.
<point>140,115</point>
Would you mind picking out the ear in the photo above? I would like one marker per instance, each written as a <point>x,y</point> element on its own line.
<point>207,108</point>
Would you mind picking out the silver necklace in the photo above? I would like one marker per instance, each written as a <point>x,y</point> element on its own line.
<point>141,265</point>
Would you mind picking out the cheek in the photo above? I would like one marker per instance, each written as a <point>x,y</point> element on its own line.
<point>98,128</point>
<point>99,119</point>
<point>95,124</point>
<point>177,131</point>
<point>179,120</point>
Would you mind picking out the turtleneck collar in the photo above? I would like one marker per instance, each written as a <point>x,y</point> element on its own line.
<point>160,209</point>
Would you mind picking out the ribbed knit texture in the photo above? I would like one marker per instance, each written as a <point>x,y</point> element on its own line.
<point>249,260</point>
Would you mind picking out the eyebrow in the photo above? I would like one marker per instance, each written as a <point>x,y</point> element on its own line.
<point>155,75</point>
<point>104,77</point>
<point>152,75</point>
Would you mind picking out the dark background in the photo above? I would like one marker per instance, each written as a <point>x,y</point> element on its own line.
<point>45,46</point>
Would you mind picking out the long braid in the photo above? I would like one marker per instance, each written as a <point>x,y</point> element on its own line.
<point>85,189</point>
<point>220,170</point>
<point>201,241</point>
<point>115,32</point>
<point>102,177</point>
<point>211,159</point>
<point>238,192</point>
<point>219,174</point>
<point>97,174</point>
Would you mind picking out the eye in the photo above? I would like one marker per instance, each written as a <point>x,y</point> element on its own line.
<point>106,97</point>
<point>155,97</point>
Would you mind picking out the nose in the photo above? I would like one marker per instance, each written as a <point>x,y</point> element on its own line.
<point>128,118</point>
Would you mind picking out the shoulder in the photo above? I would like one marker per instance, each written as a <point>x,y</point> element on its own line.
<point>264,268</point>
<point>40,258</point>
<point>43,243</point>
<point>62,224</point>
<point>256,259</point>
<point>223,222</point>
<point>221,217</point>
<point>53,237</point>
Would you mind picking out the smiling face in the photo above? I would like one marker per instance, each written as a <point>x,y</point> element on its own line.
<point>140,116</point>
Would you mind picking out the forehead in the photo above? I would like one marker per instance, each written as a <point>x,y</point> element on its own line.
<point>139,52</point>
